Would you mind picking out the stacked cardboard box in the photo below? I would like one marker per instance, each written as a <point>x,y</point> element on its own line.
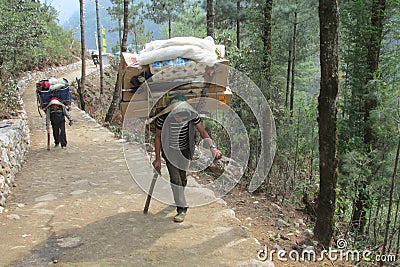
<point>198,82</point>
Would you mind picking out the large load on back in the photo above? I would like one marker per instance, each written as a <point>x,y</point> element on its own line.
<point>53,88</point>
<point>190,66</point>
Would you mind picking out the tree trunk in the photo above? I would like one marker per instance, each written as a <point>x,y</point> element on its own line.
<point>80,95</point>
<point>395,223</point>
<point>83,51</point>
<point>378,210</point>
<point>267,40</point>
<point>169,26</point>
<point>370,101</point>
<point>1,69</point>
<point>378,15</point>
<point>327,121</point>
<point>296,151</point>
<point>100,46</point>
<point>389,213</point>
<point>210,18</point>
<point>115,99</point>
<point>238,10</point>
<point>119,32</point>
<point>293,64</point>
<point>369,222</point>
<point>359,218</point>
<point>135,35</point>
<point>312,157</point>
<point>398,242</point>
<point>288,75</point>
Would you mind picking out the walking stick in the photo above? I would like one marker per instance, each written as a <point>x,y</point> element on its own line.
<point>153,183</point>
<point>48,139</point>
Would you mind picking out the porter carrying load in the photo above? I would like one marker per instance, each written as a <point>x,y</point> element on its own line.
<point>54,97</point>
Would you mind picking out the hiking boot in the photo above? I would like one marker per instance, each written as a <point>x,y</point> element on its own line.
<point>180,217</point>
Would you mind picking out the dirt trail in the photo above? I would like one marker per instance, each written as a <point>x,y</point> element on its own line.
<point>80,207</point>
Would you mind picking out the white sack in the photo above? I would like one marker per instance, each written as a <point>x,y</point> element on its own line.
<point>185,51</point>
<point>206,43</point>
<point>56,84</point>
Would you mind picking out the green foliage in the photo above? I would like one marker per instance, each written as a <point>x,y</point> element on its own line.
<point>136,26</point>
<point>307,19</point>
<point>160,11</point>
<point>29,39</point>
<point>21,31</point>
<point>226,13</point>
<point>9,96</point>
<point>366,168</point>
<point>355,35</point>
<point>116,10</point>
<point>138,13</point>
<point>190,21</point>
<point>218,134</point>
<point>57,48</point>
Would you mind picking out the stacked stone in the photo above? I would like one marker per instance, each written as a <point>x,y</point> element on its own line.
<point>14,145</point>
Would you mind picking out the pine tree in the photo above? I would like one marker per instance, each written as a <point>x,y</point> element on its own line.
<point>329,19</point>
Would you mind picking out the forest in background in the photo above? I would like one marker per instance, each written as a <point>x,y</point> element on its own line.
<point>367,208</point>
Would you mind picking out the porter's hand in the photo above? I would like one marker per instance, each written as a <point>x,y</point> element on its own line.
<point>216,153</point>
<point>157,164</point>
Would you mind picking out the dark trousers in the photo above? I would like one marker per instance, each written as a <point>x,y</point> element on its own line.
<point>59,134</point>
<point>178,181</point>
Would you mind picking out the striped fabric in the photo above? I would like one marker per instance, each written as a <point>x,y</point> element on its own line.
<point>178,131</point>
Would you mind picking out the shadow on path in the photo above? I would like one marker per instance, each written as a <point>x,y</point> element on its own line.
<point>129,239</point>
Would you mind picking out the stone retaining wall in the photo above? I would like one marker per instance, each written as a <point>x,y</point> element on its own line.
<point>14,134</point>
<point>14,145</point>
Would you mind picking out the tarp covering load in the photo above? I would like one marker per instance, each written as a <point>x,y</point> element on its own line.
<point>187,65</point>
<point>47,89</point>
